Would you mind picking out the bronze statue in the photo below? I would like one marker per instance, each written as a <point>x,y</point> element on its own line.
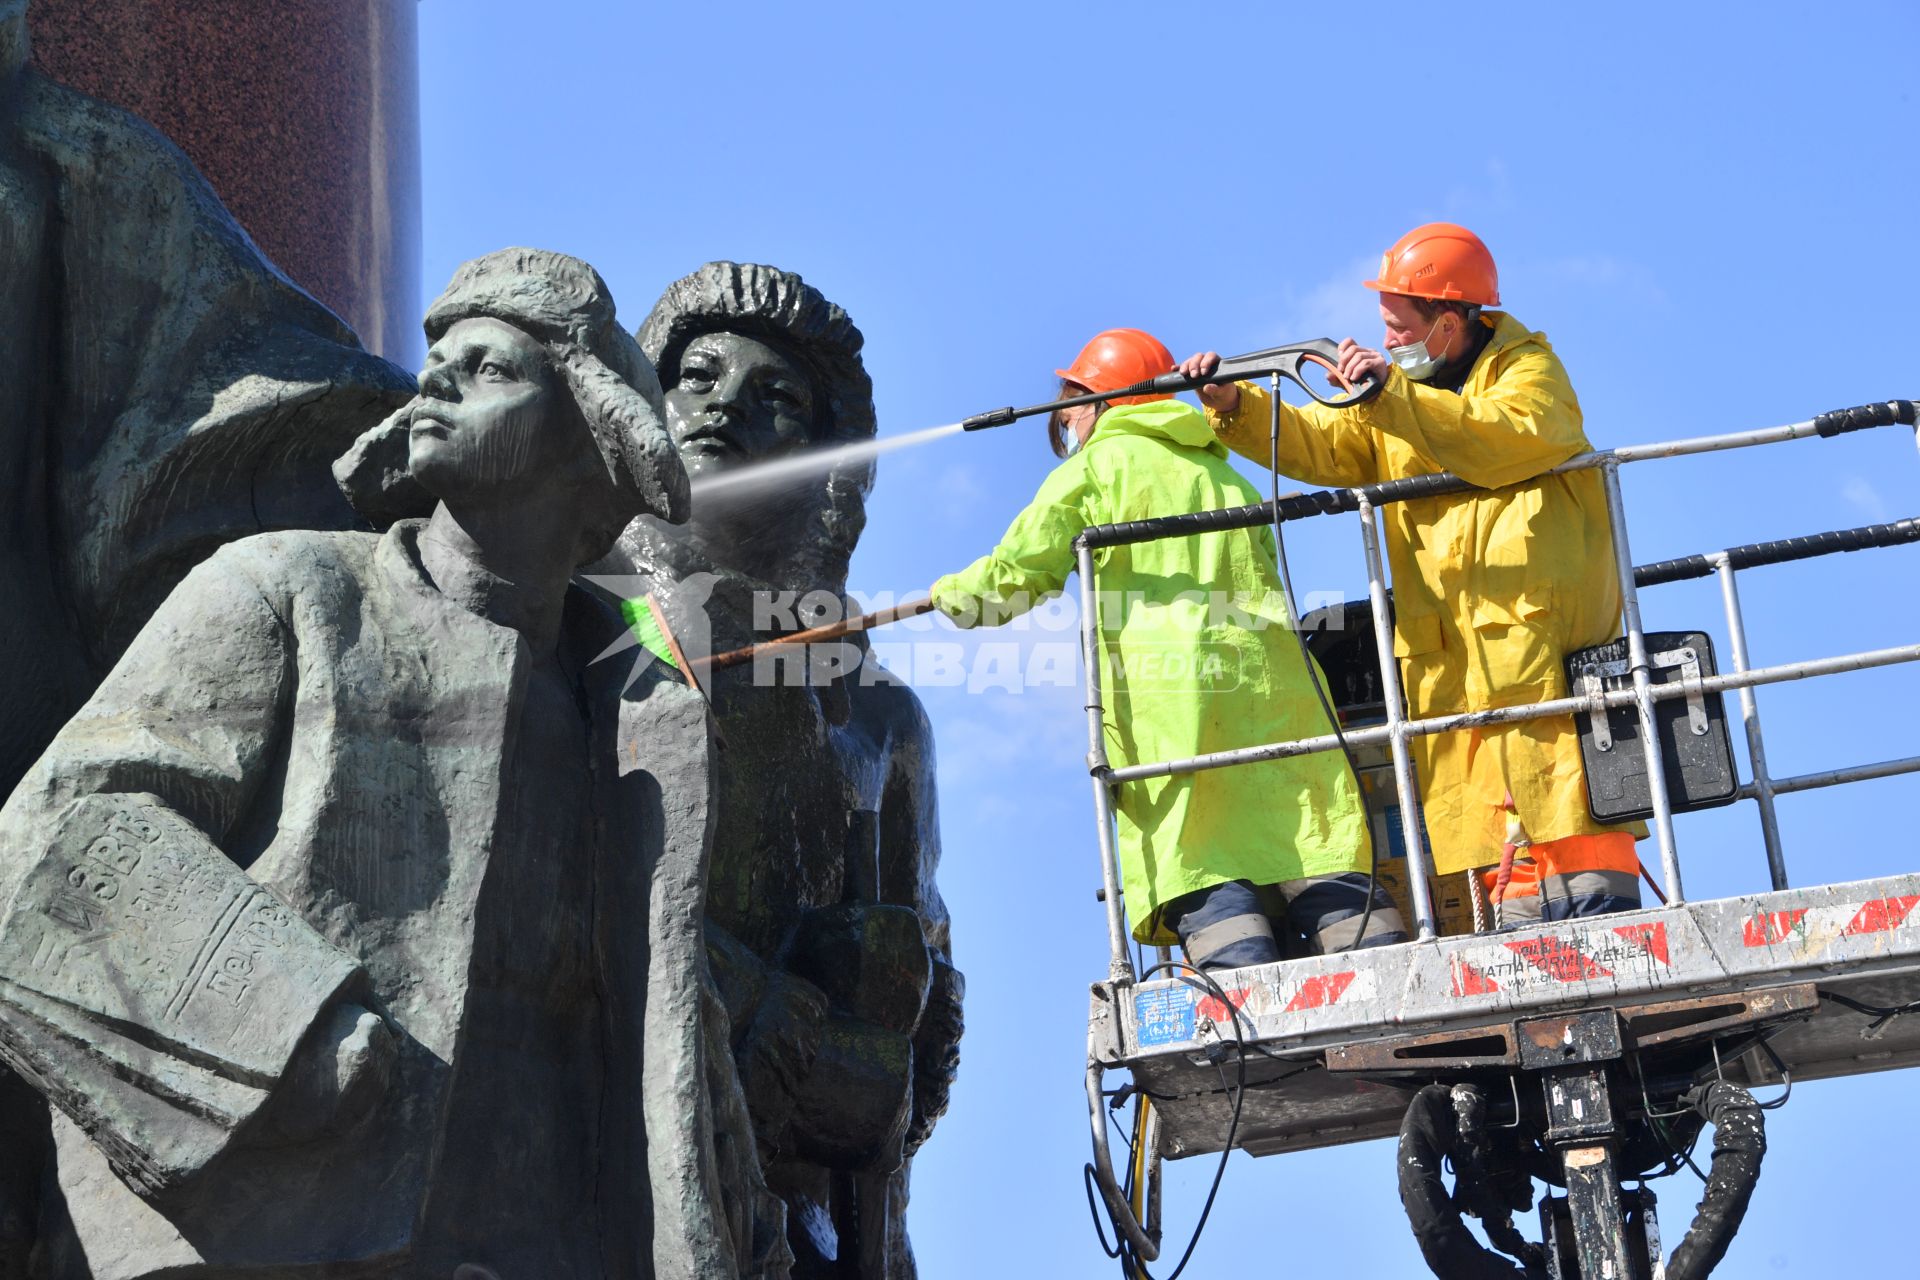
<point>354,924</point>
<point>349,879</point>
<point>826,930</point>
<point>163,390</point>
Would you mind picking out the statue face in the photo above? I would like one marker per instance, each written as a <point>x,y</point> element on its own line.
<point>737,400</point>
<point>491,414</point>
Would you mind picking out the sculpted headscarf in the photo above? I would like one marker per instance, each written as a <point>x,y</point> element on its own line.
<point>566,305</point>
<point>766,302</point>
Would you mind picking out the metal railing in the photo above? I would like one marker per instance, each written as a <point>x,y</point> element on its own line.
<point>1399,730</point>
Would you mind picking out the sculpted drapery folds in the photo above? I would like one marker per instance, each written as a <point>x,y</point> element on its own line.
<point>353,925</point>
<point>826,929</point>
<point>163,390</point>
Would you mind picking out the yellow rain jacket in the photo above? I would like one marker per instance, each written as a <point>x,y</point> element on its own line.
<point>1491,591</point>
<point>1198,654</point>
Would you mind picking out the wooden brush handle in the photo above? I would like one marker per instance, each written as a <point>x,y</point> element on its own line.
<point>814,635</point>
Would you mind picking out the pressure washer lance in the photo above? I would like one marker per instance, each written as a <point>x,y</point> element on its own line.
<point>816,635</point>
<point>1287,362</point>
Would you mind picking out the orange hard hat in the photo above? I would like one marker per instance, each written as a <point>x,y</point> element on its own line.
<point>1440,260</point>
<point>1120,358</point>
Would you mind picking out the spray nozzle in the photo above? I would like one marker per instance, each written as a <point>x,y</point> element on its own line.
<point>993,418</point>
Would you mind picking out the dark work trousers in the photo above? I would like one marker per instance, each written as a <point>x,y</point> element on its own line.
<point>1224,927</point>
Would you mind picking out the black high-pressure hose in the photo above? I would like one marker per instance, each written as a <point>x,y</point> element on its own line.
<point>1131,1266</point>
<point>1313,668</point>
<point>1429,1135</point>
<point>1739,1143</point>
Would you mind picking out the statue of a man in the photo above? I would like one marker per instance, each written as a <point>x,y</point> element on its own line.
<point>826,929</point>
<point>353,925</point>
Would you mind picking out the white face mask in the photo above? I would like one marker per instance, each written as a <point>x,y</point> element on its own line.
<point>1073,443</point>
<point>1414,359</point>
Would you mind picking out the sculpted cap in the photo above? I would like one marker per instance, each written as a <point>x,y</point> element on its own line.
<point>768,303</point>
<point>564,303</point>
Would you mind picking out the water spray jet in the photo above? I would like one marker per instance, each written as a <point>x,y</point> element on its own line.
<point>777,473</point>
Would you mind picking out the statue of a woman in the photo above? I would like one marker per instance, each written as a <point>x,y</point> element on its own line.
<point>826,929</point>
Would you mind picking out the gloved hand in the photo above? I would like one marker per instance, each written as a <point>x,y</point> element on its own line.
<point>1358,364</point>
<point>1221,398</point>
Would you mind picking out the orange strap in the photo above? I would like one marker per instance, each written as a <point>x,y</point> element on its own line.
<point>1503,876</point>
<point>1523,878</point>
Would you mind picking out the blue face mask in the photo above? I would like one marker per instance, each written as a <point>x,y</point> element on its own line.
<point>1072,435</point>
<point>1414,359</point>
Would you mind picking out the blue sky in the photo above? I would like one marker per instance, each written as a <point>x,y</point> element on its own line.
<point>1708,208</point>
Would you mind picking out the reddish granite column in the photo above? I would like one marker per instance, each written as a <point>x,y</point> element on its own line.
<point>303,114</point>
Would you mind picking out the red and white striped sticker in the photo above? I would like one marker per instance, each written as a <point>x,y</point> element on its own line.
<point>1286,994</point>
<point>1528,964</point>
<point>1807,932</point>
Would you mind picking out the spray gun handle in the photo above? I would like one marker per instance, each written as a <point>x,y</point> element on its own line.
<point>1290,361</point>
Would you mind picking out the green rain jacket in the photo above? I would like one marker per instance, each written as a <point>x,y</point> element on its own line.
<point>1198,655</point>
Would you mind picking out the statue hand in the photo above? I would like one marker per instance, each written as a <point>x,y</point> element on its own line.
<point>362,1066</point>
<point>336,1078</point>
<point>777,1051</point>
<point>870,958</point>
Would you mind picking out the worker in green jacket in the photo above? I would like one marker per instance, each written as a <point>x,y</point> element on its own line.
<point>1198,654</point>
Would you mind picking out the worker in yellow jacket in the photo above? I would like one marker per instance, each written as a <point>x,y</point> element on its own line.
<point>1198,654</point>
<point>1491,589</point>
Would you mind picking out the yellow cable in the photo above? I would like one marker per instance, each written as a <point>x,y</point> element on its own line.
<point>1138,1200</point>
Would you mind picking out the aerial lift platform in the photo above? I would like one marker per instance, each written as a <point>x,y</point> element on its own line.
<point>1331,1040</point>
<point>1586,1053</point>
